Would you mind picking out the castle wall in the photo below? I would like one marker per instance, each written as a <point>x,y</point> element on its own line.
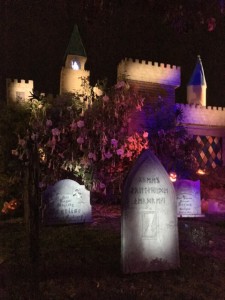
<point>152,92</point>
<point>18,90</point>
<point>71,80</point>
<point>205,116</point>
<point>206,123</point>
<point>147,71</point>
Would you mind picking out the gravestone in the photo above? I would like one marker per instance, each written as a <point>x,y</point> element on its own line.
<point>66,202</point>
<point>188,198</point>
<point>149,218</point>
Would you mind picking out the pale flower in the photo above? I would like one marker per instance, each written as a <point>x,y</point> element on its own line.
<point>80,140</point>
<point>97,91</point>
<point>138,107</point>
<point>105,98</point>
<point>145,134</point>
<point>129,153</point>
<point>102,185</point>
<point>114,142</point>
<point>55,131</point>
<point>84,162</point>
<point>104,139</point>
<point>120,84</point>
<point>92,155</point>
<point>130,139</point>
<point>120,151</point>
<point>22,142</point>
<point>73,126</point>
<point>48,123</point>
<point>80,123</point>
<point>15,152</point>
<point>108,155</point>
<point>77,168</point>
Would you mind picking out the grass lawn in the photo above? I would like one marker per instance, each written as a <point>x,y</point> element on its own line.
<point>83,262</point>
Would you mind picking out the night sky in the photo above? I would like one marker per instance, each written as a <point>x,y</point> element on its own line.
<point>35,34</point>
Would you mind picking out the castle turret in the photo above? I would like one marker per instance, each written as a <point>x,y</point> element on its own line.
<point>74,65</point>
<point>196,88</point>
<point>18,90</point>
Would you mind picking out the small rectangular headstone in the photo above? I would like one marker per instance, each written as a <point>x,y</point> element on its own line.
<point>66,202</point>
<point>149,218</point>
<point>188,198</point>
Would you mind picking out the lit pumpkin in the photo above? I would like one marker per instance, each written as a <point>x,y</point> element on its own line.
<point>201,172</point>
<point>173,176</point>
<point>13,204</point>
<point>9,206</point>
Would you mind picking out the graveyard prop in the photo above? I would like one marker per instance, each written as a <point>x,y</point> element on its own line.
<point>188,198</point>
<point>149,218</point>
<point>66,202</point>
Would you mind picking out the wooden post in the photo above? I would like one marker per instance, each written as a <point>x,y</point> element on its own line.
<point>26,210</point>
<point>33,221</point>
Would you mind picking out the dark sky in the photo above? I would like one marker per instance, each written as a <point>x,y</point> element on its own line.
<point>34,36</point>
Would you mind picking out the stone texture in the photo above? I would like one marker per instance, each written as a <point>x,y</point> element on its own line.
<point>149,218</point>
<point>188,198</point>
<point>66,202</point>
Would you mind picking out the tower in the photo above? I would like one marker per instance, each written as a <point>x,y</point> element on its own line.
<point>18,90</point>
<point>196,88</point>
<point>74,65</point>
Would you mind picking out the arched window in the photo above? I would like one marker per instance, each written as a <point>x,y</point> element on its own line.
<point>75,65</point>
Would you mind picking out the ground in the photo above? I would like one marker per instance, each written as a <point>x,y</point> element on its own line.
<point>83,262</point>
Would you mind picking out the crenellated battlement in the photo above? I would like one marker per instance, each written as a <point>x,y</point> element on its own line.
<point>18,89</point>
<point>18,81</point>
<point>147,71</point>
<point>147,62</point>
<point>202,115</point>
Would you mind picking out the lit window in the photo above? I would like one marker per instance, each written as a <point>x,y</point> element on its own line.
<point>20,96</point>
<point>75,65</point>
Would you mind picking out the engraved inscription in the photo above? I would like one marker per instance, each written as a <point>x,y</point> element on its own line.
<point>149,225</point>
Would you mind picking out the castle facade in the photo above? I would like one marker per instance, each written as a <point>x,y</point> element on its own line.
<point>156,80</point>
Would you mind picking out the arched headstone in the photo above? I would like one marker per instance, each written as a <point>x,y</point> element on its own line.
<point>149,218</point>
<point>66,202</point>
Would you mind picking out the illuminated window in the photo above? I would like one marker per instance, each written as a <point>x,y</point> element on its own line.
<point>20,96</point>
<point>75,65</point>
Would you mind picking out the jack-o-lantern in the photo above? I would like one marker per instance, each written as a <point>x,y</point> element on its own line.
<point>173,176</point>
<point>201,172</point>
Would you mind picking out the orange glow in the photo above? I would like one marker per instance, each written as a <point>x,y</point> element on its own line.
<point>10,206</point>
<point>173,176</point>
<point>201,172</point>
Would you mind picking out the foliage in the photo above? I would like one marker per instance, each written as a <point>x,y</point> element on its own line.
<point>13,121</point>
<point>169,139</point>
<point>85,137</point>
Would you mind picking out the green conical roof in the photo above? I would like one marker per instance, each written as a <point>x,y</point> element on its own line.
<point>75,46</point>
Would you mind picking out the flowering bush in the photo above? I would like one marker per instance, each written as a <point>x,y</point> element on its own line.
<point>85,136</point>
<point>170,141</point>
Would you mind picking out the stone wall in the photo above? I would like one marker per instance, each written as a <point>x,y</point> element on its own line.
<point>18,90</point>
<point>147,71</point>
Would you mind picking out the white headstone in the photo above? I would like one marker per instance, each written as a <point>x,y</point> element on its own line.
<point>188,198</point>
<point>66,202</point>
<point>149,218</point>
